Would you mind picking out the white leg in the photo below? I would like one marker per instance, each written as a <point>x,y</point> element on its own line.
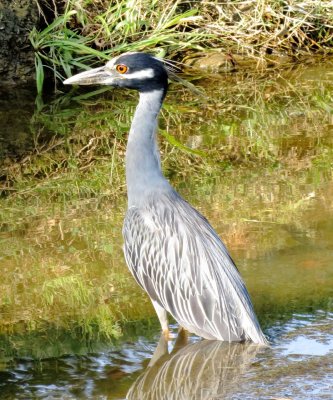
<point>162,316</point>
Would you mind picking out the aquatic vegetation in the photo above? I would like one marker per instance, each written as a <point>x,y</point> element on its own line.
<point>64,273</point>
<point>249,113</point>
<point>254,155</point>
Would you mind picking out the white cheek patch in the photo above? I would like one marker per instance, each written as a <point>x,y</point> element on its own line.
<point>145,73</point>
<point>111,63</point>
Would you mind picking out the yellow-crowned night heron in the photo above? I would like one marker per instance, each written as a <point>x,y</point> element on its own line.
<point>171,249</point>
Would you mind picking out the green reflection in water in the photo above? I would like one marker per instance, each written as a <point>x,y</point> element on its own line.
<point>255,157</point>
<point>150,369</point>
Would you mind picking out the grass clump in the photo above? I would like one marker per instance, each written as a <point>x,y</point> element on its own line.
<point>89,31</point>
<point>85,31</point>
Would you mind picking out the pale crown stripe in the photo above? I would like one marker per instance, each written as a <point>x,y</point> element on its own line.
<point>144,73</point>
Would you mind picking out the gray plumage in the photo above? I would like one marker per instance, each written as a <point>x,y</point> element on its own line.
<point>171,249</point>
<point>175,255</point>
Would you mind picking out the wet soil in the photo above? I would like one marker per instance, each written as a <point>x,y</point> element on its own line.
<point>17,18</point>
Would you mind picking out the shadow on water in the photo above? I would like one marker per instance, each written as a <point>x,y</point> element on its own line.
<point>16,110</point>
<point>73,324</point>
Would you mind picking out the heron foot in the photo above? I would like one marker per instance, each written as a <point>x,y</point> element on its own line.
<point>182,331</point>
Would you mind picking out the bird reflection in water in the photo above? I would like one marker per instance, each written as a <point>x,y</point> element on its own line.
<point>207,369</point>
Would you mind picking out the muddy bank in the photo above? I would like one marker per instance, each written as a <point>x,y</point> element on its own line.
<point>17,18</point>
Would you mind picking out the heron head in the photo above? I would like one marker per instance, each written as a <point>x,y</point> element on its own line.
<point>139,71</point>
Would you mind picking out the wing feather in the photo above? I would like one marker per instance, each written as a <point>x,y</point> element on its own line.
<point>177,257</point>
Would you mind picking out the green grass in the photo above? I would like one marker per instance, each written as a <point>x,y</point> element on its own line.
<point>85,32</point>
<point>78,38</point>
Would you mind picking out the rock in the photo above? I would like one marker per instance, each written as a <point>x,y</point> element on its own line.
<point>221,62</point>
<point>213,62</point>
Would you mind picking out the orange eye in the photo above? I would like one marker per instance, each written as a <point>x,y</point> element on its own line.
<point>121,68</point>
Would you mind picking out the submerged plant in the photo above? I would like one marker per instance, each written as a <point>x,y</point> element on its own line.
<point>256,150</point>
<point>75,297</point>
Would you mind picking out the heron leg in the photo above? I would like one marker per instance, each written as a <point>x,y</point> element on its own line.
<point>162,316</point>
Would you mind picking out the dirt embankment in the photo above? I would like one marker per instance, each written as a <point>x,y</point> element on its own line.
<point>17,18</point>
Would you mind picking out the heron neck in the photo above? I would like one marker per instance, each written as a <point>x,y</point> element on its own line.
<point>143,167</point>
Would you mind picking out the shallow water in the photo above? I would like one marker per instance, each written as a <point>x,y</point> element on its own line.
<point>276,220</point>
<point>296,366</point>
